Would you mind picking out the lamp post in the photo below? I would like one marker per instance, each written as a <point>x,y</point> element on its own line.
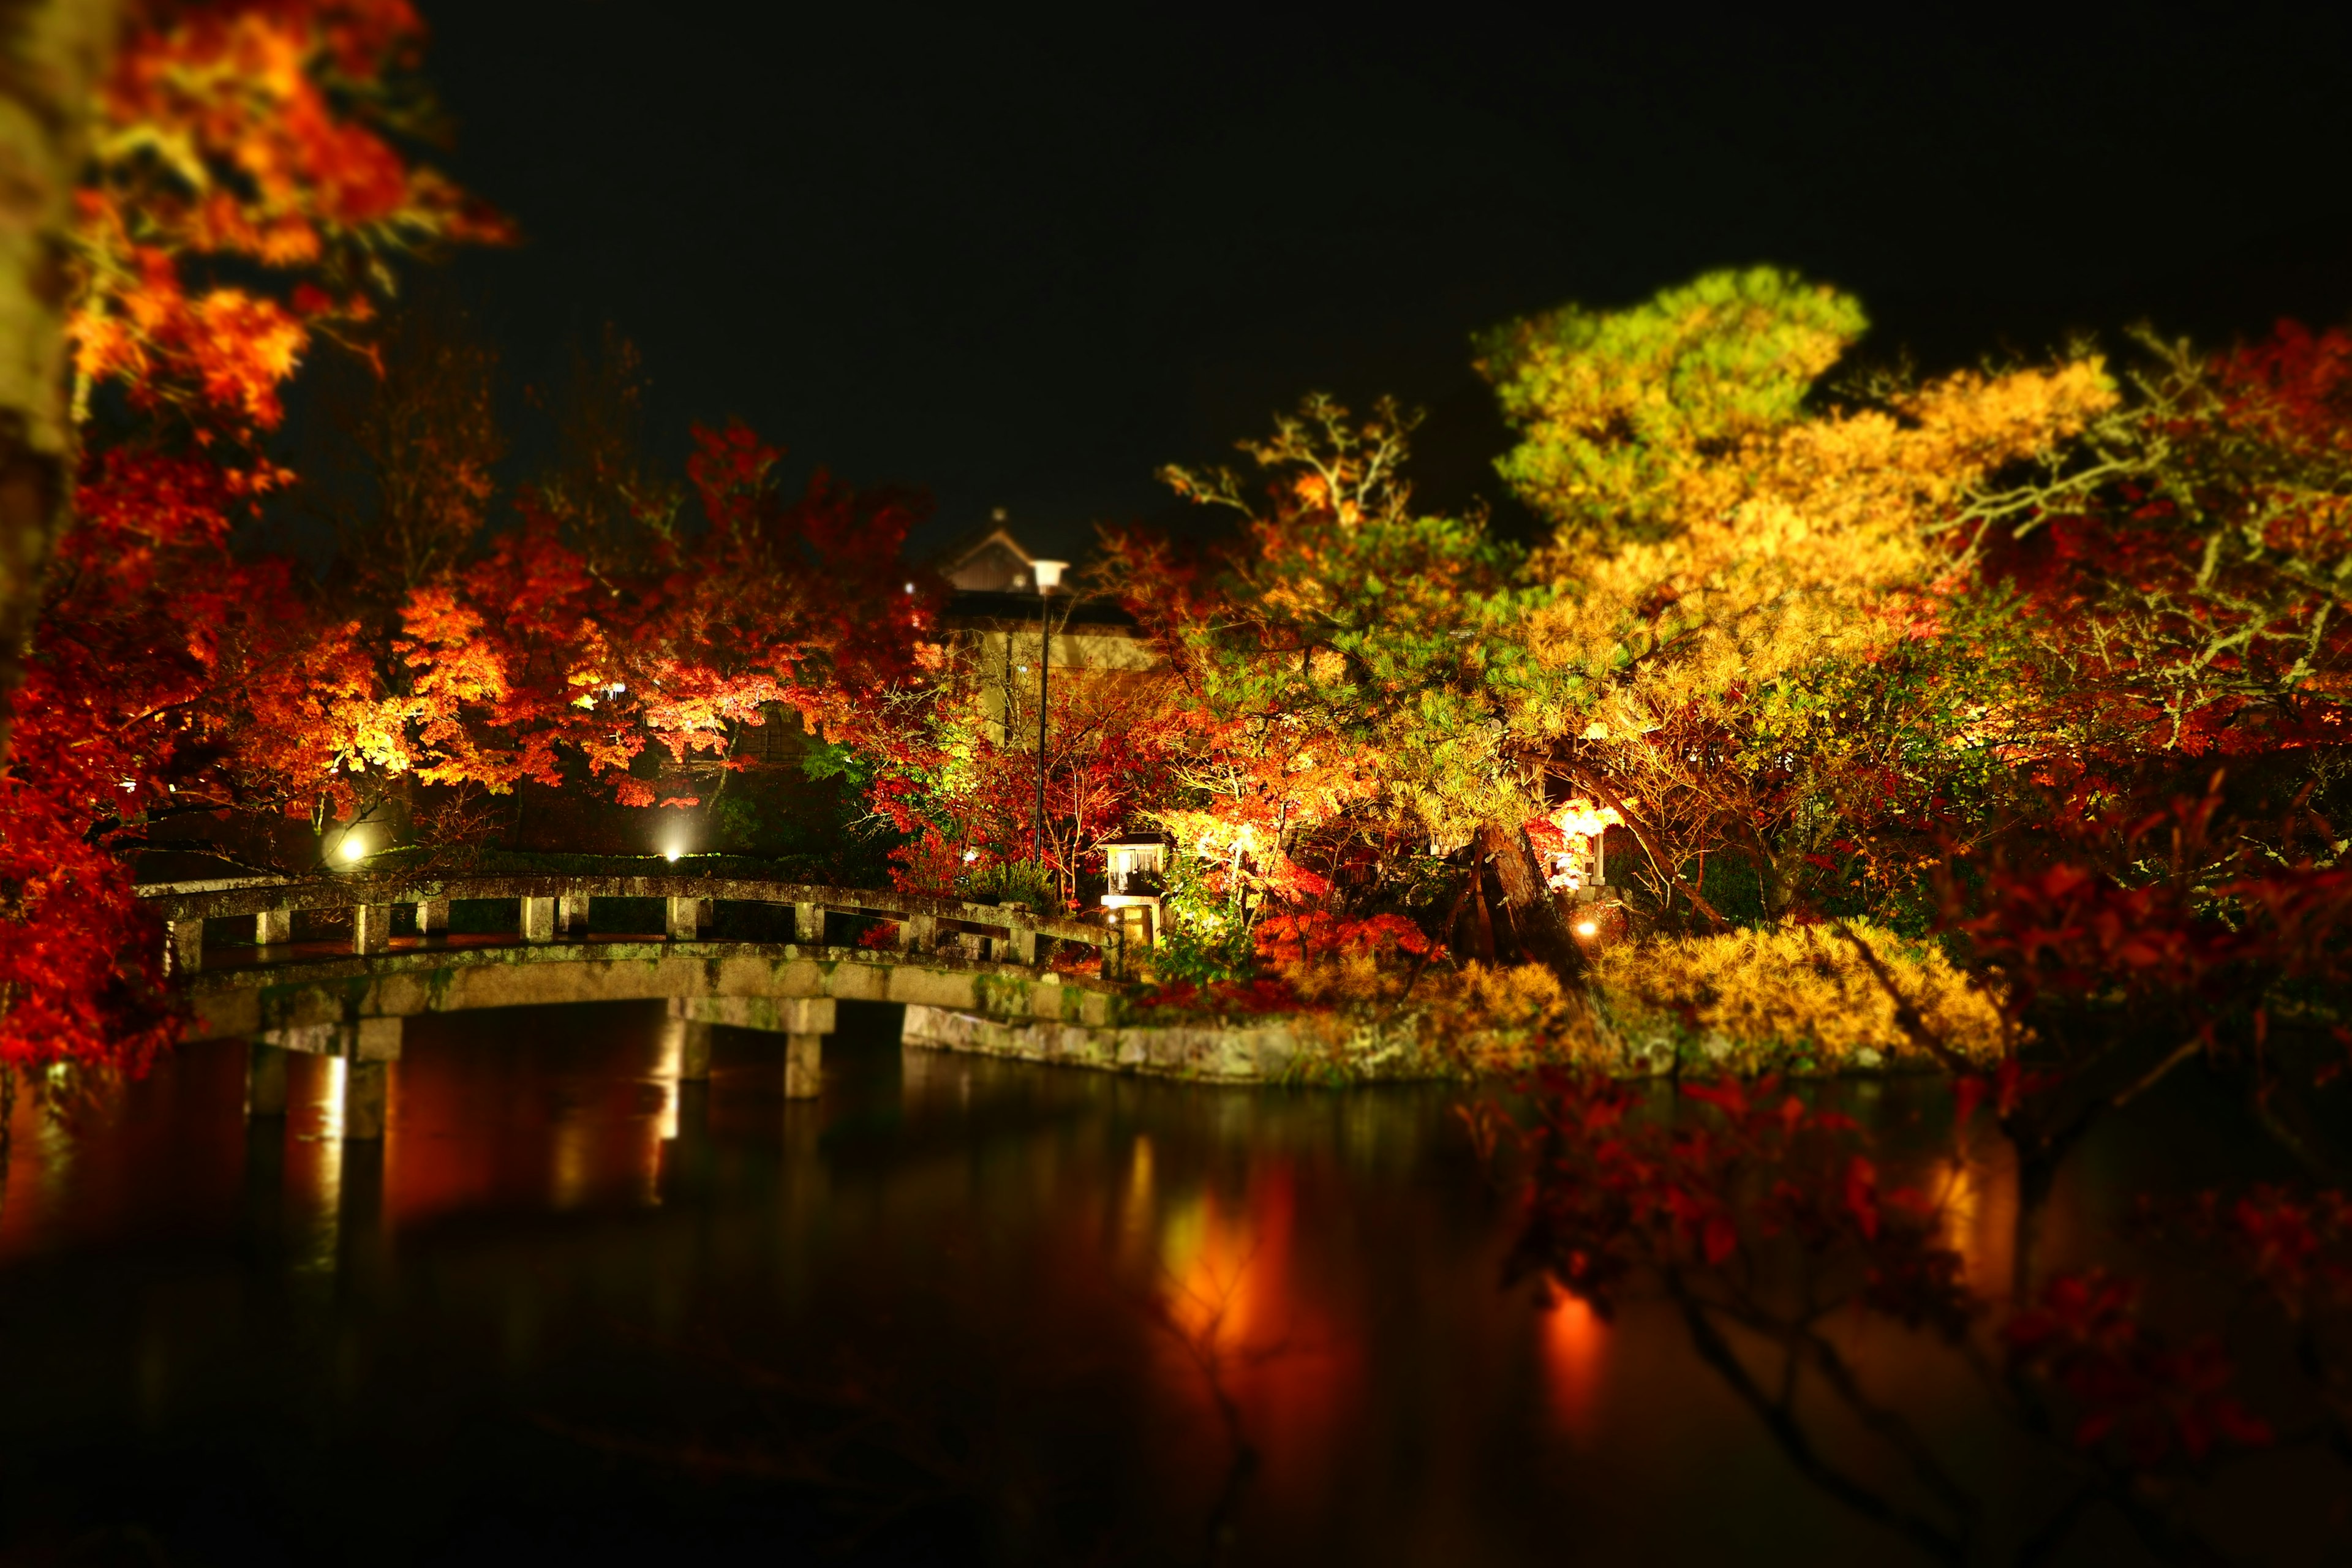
<point>1049,577</point>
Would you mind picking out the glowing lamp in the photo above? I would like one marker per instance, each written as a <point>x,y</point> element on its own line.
<point>670,854</point>
<point>352,848</point>
<point>1588,927</point>
<point>1049,574</point>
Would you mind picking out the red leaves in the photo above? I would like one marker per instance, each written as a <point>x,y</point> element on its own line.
<point>2184,612</point>
<point>1298,935</point>
<point>1968,1093</point>
<point>2298,1247</point>
<point>1614,1195</point>
<point>2083,1339</point>
<point>1862,1197</point>
<point>2190,947</point>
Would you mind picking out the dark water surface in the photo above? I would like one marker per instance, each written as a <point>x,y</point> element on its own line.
<point>956,1310</point>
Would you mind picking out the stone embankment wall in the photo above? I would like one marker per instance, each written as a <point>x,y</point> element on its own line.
<point>1253,1053</point>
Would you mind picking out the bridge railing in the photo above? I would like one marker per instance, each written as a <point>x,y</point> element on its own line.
<point>553,907</point>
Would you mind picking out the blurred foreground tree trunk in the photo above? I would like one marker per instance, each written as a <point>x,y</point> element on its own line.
<point>51,55</point>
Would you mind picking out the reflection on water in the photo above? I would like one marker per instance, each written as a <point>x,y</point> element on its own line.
<point>1575,1346</point>
<point>954,1309</point>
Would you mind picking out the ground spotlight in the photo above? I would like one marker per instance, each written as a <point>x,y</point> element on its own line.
<point>1588,927</point>
<point>352,848</point>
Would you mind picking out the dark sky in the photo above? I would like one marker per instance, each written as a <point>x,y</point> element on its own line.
<point>1022,263</point>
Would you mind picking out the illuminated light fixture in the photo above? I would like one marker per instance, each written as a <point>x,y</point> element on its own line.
<point>1587,927</point>
<point>352,848</point>
<point>910,587</point>
<point>1049,574</point>
<point>670,854</point>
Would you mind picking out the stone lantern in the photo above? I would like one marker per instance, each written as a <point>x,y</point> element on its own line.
<point>1137,864</point>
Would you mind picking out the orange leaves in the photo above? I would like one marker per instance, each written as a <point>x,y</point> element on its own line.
<point>224,350</point>
<point>244,133</point>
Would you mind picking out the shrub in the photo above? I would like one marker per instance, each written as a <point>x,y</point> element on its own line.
<point>1800,997</point>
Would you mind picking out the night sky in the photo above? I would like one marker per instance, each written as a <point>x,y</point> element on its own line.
<point>1022,263</point>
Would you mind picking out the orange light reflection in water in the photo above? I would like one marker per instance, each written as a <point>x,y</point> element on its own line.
<point>589,1134</point>
<point>1979,1197</point>
<point>1241,1320</point>
<point>1574,1345</point>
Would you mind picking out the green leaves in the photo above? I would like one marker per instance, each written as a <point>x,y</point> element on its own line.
<point>1613,407</point>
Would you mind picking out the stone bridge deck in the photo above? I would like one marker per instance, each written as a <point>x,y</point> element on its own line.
<point>348,998</point>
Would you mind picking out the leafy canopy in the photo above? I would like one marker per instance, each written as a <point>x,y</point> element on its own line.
<point>1618,409</point>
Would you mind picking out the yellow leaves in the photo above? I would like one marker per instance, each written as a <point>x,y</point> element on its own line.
<point>1781,550</point>
<point>1484,1019</point>
<point>1801,991</point>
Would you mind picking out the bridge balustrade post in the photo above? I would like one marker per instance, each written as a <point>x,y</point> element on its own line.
<point>183,946</point>
<point>1113,955</point>
<point>271,927</point>
<point>370,928</point>
<point>539,920</point>
<point>917,933</point>
<point>684,919</point>
<point>1022,938</point>
<point>433,916</point>
<point>808,921</point>
<point>572,915</point>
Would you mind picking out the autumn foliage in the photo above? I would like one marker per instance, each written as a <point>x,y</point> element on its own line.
<point>245,140</point>
<point>252,198</point>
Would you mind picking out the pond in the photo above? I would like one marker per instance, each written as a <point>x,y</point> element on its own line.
<point>954,1310</point>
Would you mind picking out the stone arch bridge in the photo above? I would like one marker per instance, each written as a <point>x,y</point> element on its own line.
<point>347,995</point>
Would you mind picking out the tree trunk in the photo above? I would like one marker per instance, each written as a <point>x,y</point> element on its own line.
<point>1535,921</point>
<point>52,53</point>
<point>1477,924</point>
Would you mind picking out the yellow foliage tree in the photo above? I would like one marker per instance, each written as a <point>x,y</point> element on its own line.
<point>1718,545</point>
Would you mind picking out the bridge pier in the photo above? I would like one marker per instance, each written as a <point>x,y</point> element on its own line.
<point>433,916</point>
<point>271,927</point>
<point>804,1066</point>
<point>804,1021</point>
<point>808,923</point>
<point>372,927</point>
<point>685,918</point>
<point>264,1079</point>
<point>370,1049</point>
<point>183,946</point>
<point>572,915</point>
<point>367,1094</point>
<point>538,920</point>
<point>690,1038</point>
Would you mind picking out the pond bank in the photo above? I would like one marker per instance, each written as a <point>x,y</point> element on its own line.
<point>1337,1047</point>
